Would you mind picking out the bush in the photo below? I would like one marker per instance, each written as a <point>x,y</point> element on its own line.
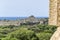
<point>22,34</point>
<point>47,28</point>
<point>44,36</point>
<point>36,32</point>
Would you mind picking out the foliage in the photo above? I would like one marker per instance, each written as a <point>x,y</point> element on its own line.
<point>22,35</point>
<point>26,32</point>
<point>44,36</point>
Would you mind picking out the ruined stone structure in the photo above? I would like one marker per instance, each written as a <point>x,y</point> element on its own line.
<point>54,15</point>
<point>54,18</point>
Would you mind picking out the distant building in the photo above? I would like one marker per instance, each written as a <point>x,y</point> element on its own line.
<point>32,20</point>
<point>28,21</point>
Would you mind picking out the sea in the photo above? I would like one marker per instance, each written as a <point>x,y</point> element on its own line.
<point>16,18</point>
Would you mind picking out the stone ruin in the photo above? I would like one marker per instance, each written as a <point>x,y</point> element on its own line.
<point>54,18</point>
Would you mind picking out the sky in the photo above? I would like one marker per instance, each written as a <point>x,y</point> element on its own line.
<point>24,8</point>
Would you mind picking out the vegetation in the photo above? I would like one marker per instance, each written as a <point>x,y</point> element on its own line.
<point>26,32</point>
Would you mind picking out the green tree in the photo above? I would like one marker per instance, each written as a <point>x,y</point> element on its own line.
<point>44,36</point>
<point>22,34</point>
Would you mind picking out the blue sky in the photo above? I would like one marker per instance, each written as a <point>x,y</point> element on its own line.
<point>24,8</point>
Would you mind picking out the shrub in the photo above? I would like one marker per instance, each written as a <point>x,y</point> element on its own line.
<point>44,36</point>
<point>22,34</point>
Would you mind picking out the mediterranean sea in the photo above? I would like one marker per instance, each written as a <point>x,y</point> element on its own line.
<point>16,18</point>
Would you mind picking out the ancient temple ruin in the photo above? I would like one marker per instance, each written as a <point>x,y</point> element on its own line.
<point>54,18</point>
<point>54,14</point>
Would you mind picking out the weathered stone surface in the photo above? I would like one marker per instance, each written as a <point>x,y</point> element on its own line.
<point>54,13</point>
<point>56,35</point>
<point>54,17</point>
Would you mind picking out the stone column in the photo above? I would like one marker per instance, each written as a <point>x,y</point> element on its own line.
<point>53,12</point>
<point>54,18</point>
